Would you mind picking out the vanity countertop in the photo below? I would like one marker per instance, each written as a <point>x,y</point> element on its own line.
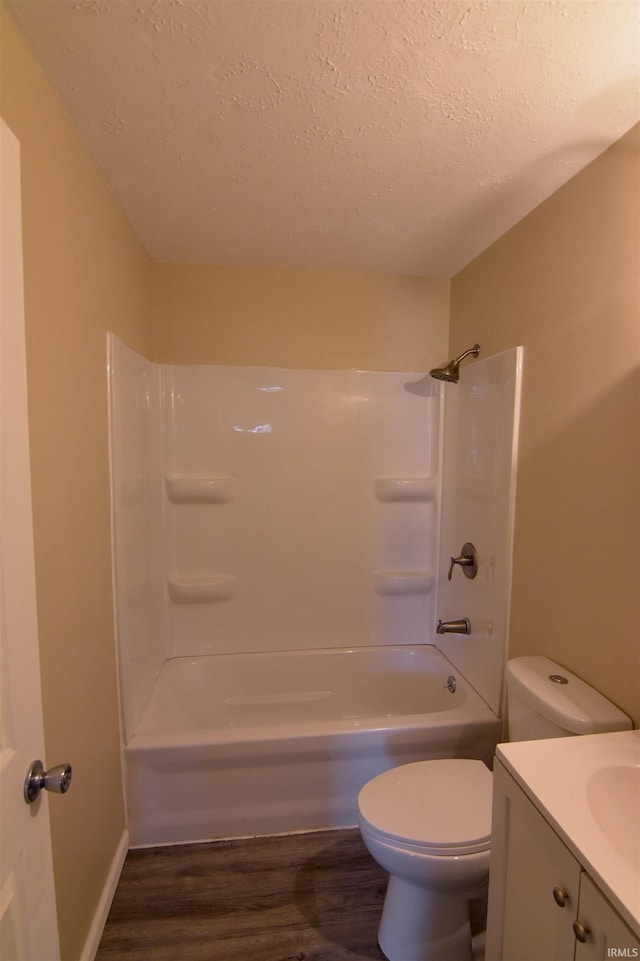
<point>588,788</point>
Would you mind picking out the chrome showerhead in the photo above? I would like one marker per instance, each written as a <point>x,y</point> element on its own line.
<point>451,371</point>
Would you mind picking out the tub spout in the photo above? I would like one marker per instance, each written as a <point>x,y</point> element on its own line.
<point>463,626</point>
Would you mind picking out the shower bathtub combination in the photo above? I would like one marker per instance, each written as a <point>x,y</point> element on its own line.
<point>277,541</point>
<point>256,744</point>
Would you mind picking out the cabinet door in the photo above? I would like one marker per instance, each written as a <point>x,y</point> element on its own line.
<point>529,863</point>
<point>607,936</point>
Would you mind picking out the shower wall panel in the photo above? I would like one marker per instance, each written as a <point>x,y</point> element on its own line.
<point>301,508</point>
<point>138,566</point>
<point>478,505</point>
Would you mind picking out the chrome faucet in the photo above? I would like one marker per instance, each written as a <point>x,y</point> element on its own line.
<point>463,626</point>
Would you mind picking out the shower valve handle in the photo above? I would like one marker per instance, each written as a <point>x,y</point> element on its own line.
<point>468,561</point>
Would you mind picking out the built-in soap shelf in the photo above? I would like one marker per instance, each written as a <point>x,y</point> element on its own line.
<point>388,489</point>
<point>403,583</point>
<point>207,589</point>
<point>183,489</point>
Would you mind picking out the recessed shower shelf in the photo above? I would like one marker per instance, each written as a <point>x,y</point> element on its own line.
<point>201,590</point>
<point>403,583</point>
<point>388,489</point>
<point>183,489</point>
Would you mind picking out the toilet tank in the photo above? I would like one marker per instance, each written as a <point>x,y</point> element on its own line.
<point>545,700</point>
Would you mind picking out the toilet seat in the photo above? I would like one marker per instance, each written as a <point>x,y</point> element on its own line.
<point>441,808</point>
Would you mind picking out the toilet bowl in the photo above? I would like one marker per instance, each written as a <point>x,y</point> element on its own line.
<point>429,823</point>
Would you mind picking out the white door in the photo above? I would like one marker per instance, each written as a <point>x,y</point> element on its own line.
<point>606,935</point>
<point>28,926</point>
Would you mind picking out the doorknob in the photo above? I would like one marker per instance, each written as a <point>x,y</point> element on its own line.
<point>56,779</point>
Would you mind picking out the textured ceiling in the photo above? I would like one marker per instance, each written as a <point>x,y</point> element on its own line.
<point>401,137</point>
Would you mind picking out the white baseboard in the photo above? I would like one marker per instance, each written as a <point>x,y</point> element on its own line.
<point>100,917</point>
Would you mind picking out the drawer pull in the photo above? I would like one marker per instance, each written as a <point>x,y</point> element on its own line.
<point>581,931</point>
<point>560,897</point>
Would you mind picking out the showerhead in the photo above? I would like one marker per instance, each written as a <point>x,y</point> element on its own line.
<point>451,371</point>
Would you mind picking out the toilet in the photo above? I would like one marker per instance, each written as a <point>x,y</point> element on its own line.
<point>429,823</point>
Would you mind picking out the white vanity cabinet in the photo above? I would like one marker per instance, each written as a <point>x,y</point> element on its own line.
<point>541,901</point>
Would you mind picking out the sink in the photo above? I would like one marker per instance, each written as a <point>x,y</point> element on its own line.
<point>613,795</point>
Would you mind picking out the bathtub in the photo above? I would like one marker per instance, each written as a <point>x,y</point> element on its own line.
<point>237,745</point>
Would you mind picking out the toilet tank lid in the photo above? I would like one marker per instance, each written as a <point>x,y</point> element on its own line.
<point>574,706</point>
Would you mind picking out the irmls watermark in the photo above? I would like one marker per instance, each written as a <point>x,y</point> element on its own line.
<point>623,952</point>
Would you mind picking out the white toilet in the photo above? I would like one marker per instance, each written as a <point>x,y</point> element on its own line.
<point>429,823</point>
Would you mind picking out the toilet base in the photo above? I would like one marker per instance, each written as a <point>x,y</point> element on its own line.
<point>419,924</point>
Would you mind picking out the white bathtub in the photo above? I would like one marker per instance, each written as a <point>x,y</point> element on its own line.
<point>237,745</point>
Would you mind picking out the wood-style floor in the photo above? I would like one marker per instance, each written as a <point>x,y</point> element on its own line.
<point>305,897</point>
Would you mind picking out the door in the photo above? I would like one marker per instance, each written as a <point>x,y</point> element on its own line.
<point>534,882</point>
<point>600,931</point>
<point>28,926</point>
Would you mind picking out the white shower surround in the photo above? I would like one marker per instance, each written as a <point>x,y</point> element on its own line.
<point>333,558</point>
<point>261,509</point>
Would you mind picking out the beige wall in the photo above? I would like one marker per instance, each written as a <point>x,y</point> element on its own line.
<point>84,274</point>
<point>565,283</point>
<point>297,318</point>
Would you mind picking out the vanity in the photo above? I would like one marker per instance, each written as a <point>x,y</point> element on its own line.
<point>565,860</point>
